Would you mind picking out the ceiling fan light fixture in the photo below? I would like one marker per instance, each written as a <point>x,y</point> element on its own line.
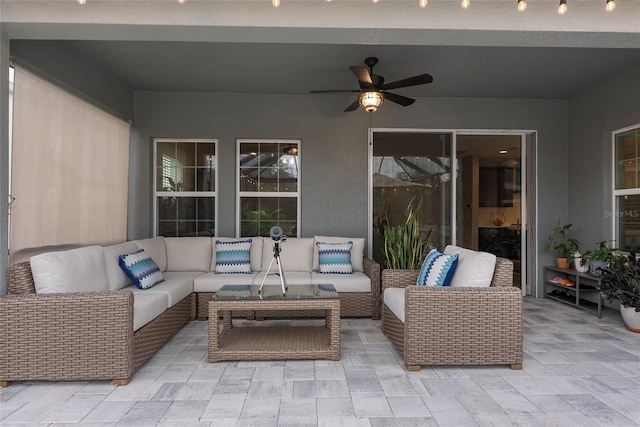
<point>275,3</point>
<point>81,2</point>
<point>370,101</point>
<point>422,3</point>
<point>611,4</point>
<point>465,4</point>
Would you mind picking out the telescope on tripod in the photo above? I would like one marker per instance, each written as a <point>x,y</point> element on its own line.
<point>278,237</point>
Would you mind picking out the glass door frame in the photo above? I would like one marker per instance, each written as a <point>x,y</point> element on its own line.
<point>527,226</point>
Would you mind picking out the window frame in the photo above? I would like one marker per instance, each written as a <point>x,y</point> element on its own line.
<point>616,193</point>
<point>196,194</point>
<point>266,194</point>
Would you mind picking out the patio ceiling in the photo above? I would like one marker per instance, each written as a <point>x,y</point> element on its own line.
<point>248,47</point>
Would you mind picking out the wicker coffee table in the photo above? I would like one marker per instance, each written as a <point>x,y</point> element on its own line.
<point>251,342</point>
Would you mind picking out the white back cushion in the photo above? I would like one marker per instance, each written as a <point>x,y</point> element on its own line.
<point>116,277</point>
<point>155,248</point>
<point>296,254</point>
<point>77,270</point>
<point>357,250</point>
<point>188,253</point>
<point>475,269</point>
<point>256,251</point>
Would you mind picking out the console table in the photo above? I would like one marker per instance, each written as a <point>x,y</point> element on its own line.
<point>251,342</point>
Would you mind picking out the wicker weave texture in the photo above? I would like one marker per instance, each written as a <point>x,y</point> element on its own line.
<point>273,343</point>
<point>20,279</point>
<point>457,326</point>
<point>463,326</point>
<point>148,339</point>
<point>77,335</point>
<point>66,336</point>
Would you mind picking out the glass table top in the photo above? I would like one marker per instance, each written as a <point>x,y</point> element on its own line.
<point>274,292</point>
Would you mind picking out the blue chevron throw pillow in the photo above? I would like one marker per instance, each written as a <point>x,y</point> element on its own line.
<point>233,257</point>
<point>437,269</point>
<point>335,257</point>
<point>141,269</point>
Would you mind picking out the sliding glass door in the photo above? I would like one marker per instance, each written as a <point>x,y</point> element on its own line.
<point>486,210</point>
<point>411,166</point>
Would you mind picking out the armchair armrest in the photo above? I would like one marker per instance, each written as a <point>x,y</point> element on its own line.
<point>392,278</point>
<point>66,336</point>
<point>372,270</point>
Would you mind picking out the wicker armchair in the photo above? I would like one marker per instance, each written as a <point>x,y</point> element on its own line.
<point>457,325</point>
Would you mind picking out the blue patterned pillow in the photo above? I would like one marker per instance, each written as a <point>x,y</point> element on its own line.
<point>334,257</point>
<point>437,269</point>
<point>141,269</point>
<point>233,257</point>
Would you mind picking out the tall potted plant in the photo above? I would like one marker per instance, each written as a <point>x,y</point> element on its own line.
<point>405,245</point>
<point>564,246</point>
<point>621,281</point>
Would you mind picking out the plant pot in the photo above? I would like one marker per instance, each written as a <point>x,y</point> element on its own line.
<point>594,265</point>
<point>579,267</point>
<point>631,318</point>
<point>562,262</point>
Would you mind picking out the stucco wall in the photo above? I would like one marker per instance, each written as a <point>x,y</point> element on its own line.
<point>334,152</point>
<point>593,116</point>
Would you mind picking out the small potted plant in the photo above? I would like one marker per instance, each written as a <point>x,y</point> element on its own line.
<point>621,282</point>
<point>599,257</point>
<point>564,245</point>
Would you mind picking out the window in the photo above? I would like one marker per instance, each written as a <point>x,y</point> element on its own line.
<point>626,191</point>
<point>268,186</point>
<point>185,191</point>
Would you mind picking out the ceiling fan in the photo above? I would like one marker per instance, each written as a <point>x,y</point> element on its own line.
<point>373,89</point>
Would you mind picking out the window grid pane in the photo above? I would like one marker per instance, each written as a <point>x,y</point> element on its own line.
<point>185,168</point>
<point>270,168</point>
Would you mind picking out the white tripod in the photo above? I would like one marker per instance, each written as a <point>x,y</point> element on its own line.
<point>276,235</point>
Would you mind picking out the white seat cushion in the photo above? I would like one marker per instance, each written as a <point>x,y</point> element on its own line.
<point>212,282</point>
<point>188,253</point>
<point>147,306</point>
<point>475,269</point>
<point>176,285</point>
<point>355,282</point>
<point>77,270</point>
<point>357,251</point>
<point>156,249</point>
<point>293,277</point>
<point>116,277</point>
<point>296,254</point>
<point>393,298</point>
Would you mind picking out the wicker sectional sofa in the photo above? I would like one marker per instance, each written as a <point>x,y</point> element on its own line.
<point>74,315</point>
<point>445,325</point>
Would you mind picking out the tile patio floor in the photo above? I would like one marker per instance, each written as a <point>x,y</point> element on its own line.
<point>578,371</point>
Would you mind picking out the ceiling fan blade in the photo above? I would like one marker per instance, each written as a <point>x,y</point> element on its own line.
<point>411,81</point>
<point>336,91</point>
<point>398,99</point>
<point>362,74</point>
<point>353,106</point>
